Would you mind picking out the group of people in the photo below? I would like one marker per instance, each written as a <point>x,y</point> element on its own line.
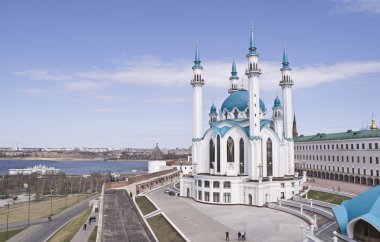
<point>90,219</point>
<point>241,236</point>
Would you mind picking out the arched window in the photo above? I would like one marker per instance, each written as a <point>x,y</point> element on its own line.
<point>241,154</point>
<point>225,114</point>
<point>230,150</point>
<point>269,158</point>
<point>212,153</point>
<point>236,114</point>
<point>218,154</point>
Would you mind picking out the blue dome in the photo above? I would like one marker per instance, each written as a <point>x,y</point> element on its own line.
<point>240,100</point>
<point>213,109</point>
<point>277,102</point>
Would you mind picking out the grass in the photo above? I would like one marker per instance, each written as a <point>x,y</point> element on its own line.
<point>163,230</point>
<point>11,233</point>
<point>326,197</point>
<point>92,237</point>
<point>68,231</point>
<point>38,209</point>
<point>145,205</point>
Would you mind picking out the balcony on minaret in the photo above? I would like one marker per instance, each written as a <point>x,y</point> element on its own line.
<point>197,81</point>
<point>286,81</point>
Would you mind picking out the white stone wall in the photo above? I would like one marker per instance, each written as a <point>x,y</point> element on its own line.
<point>306,156</point>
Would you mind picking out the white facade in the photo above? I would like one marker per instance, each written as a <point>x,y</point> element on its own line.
<point>341,156</point>
<point>244,152</point>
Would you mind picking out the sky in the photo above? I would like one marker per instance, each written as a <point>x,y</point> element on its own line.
<point>94,73</point>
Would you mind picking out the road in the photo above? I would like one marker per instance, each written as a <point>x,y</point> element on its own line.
<point>41,233</point>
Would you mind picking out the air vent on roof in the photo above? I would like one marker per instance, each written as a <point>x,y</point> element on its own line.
<point>349,130</point>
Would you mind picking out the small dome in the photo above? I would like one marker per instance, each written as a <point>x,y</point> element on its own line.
<point>240,100</point>
<point>213,110</point>
<point>277,103</point>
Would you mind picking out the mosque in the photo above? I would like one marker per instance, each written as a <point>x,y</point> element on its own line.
<point>244,157</point>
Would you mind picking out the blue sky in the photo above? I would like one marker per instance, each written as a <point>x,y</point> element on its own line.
<point>117,73</point>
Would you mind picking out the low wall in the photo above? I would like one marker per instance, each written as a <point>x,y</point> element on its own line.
<point>137,178</point>
<point>316,202</point>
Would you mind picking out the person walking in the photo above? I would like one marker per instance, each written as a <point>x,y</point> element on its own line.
<point>227,236</point>
<point>239,236</point>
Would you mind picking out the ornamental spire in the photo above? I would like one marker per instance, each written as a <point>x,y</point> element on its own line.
<point>373,123</point>
<point>233,72</point>
<point>197,60</point>
<point>285,61</point>
<point>252,44</point>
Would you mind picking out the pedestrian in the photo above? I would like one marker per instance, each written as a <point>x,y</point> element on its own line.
<point>89,221</point>
<point>239,236</point>
<point>338,188</point>
<point>243,236</point>
<point>49,218</point>
<point>84,226</point>
<point>227,236</point>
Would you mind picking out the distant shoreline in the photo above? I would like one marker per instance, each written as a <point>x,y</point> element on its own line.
<point>59,159</point>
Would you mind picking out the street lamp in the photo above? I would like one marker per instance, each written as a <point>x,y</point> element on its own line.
<point>6,234</point>
<point>28,189</point>
<point>51,202</point>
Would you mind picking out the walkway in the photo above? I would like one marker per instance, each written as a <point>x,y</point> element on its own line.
<point>121,220</point>
<point>83,235</point>
<point>205,222</point>
<point>344,186</point>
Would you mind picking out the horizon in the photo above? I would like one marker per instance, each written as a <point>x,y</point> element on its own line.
<point>99,74</point>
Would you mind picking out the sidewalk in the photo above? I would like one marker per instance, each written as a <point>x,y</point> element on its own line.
<point>83,235</point>
<point>333,185</point>
<point>24,235</point>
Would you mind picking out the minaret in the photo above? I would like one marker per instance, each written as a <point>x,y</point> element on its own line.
<point>286,84</point>
<point>373,123</point>
<point>295,133</point>
<point>253,73</point>
<point>197,82</point>
<point>233,79</point>
<point>278,118</point>
<point>213,114</point>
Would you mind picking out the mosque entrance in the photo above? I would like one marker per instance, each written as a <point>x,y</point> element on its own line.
<point>187,192</point>
<point>363,231</point>
<point>249,199</point>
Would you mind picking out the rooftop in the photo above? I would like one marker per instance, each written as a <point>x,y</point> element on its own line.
<point>361,134</point>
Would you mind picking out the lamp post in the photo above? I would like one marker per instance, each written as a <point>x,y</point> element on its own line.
<point>51,202</point>
<point>67,193</point>
<point>6,234</point>
<point>28,190</point>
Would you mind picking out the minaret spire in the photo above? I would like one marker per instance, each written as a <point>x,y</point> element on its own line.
<point>233,79</point>
<point>252,43</point>
<point>197,59</point>
<point>285,61</point>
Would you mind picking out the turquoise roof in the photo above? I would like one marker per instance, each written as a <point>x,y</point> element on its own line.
<point>340,136</point>
<point>197,60</point>
<point>252,44</point>
<point>285,61</point>
<point>223,126</point>
<point>364,206</point>
<point>277,102</point>
<point>239,100</point>
<point>213,110</point>
<point>233,72</point>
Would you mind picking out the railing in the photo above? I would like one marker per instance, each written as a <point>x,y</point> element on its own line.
<point>305,217</point>
<point>307,207</point>
<point>316,202</point>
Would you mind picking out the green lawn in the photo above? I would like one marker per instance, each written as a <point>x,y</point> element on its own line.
<point>163,230</point>
<point>326,197</point>
<point>11,233</point>
<point>68,231</point>
<point>92,237</point>
<point>145,205</point>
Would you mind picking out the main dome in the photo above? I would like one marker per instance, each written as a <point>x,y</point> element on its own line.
<point>240,100</point>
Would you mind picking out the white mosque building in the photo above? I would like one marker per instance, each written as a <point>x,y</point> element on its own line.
<point>244,157</point>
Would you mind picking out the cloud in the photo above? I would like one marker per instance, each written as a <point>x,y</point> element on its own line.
<point>345,6</point>
<point>168,100</point>
<point>109,110</point>
<point>44,75</point>
<point>107,98</point>
<point>151,71</point>
<point>83,85</point>
<point>35,91</point>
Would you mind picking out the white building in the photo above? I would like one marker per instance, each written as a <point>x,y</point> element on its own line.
<point>351,156</point>
<point>244,157</point>
<point>184,165</point>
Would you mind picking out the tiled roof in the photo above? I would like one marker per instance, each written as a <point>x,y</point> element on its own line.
<point>365,206</point>
<point>340,136</point>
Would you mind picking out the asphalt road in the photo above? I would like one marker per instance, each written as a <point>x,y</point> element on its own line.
<point>43,232</point>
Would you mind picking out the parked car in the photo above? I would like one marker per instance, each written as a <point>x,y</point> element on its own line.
<point>166,191</point>
<point>171,193</point>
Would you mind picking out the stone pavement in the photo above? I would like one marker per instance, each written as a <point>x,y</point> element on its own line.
<point>121,220</point>
<point>83,235</point>
<point>344,186</point>
<point>205,222</point>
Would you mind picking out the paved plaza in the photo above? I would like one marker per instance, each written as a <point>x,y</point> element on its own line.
<point>205,222</point>
<point>352,188</point>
